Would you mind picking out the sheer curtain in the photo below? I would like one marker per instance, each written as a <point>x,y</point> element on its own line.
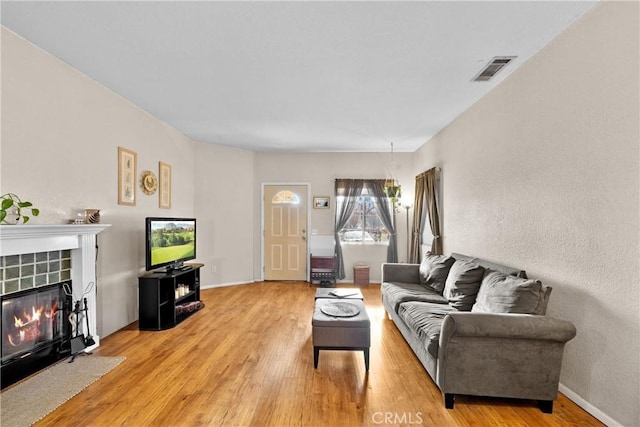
<point>426,194</point>
<point>385,212</point>
<point>347,193</point>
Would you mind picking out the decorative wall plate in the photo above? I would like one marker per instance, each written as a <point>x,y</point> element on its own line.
<point>149,182</point>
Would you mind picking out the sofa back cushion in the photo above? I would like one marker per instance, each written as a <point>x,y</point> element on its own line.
<point>434,270</point>
<point>489,265</point>
<point>461,286</point>
<point>503,293</point>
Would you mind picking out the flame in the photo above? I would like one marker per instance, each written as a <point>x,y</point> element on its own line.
<point>54,309</point>
<point>35,315</point>
<point>27,326</point>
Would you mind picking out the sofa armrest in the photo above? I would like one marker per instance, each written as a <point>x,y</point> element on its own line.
<point>400,272</point>
<point>503,355</point>
<point>517,326</point>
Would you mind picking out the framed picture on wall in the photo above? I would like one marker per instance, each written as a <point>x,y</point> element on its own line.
<point>165,185</point>
<point>127,164</point>
<point>321,202</point>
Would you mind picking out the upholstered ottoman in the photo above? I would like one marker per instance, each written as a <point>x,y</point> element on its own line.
<point>340,333</point>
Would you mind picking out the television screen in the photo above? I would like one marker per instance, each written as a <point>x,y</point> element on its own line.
<point>169,241</point>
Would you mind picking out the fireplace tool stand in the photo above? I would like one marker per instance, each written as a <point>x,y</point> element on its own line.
<point>78,341</point>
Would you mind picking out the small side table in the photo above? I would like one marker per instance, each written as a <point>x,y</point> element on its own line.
<point>323,270</point>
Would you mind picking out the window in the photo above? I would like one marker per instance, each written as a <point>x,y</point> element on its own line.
<point>285,196</point>
<point>364,225</point>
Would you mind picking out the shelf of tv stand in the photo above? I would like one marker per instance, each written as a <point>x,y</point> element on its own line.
<point>157,300</point>
<point>185,297</point>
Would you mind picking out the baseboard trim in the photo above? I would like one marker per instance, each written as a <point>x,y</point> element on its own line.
<point>597,413</point>
<point>222,285</point>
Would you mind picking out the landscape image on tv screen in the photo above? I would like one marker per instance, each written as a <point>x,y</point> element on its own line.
<point>171,241</point>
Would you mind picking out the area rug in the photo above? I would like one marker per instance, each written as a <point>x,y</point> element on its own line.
<point>29,401</point>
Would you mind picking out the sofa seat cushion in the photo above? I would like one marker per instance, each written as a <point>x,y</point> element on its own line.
<point>502,293</point>
<point>425,321</point>
<point>462,284</point>
<point>434,270</point>
<point>397,292</point>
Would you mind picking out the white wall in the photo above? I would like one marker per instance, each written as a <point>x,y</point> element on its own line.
<point>60,133</point>
<point>224,206</point>
<point>321,170</point>
<point>543,174</point>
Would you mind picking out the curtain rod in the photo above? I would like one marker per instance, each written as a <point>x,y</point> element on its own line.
<point>437,169</point>
<point>359,179</point>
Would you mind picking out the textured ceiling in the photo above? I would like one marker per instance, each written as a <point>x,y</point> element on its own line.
<point>295,76</point>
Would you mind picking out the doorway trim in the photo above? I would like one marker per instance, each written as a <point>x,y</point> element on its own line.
<point>262,228</point>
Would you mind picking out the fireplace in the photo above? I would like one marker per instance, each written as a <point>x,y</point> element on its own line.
<point>36,260</point>
<point>35,331</point>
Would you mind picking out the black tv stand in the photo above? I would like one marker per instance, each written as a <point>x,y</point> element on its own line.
<point>166,298</point>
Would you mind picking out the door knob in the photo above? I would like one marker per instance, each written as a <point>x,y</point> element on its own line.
<point>304,238</point>
<point>304,231</point>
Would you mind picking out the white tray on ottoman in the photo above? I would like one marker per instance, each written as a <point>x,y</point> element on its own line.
<point>339,293</point>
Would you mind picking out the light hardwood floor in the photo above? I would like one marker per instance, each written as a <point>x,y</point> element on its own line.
<point>246,359</point>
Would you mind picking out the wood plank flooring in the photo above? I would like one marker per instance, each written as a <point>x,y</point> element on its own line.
<point>246,359</point>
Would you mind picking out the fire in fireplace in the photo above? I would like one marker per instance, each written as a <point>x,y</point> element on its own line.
<point>33,324</point>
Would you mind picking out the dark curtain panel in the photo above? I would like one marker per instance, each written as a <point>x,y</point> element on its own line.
<point>431,194</point>
<point>416,235</point>
<point>349,190</point>
<point>426,194</point>
<point>381,203</point>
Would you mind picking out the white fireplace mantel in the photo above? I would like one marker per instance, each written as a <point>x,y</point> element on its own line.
<point>79,239</point>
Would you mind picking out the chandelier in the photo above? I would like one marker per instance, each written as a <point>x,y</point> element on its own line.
<point>392,188</point>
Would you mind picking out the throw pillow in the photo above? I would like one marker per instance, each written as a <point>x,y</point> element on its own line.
<point>502,293</point>
<point>434,270</point>
<point>461,286</point>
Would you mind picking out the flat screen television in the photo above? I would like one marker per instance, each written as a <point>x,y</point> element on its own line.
<point>169,242</point>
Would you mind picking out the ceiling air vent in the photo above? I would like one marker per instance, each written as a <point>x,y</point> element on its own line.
<point>496,64</point>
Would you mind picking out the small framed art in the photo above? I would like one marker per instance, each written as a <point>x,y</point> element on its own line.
<point>165,185</point>
<point>127,160</point>
<point>321,202</point>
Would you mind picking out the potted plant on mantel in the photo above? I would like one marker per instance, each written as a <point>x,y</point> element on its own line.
<point>13,210</point>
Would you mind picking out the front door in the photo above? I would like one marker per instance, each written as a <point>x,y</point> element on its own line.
<point>285,232</point>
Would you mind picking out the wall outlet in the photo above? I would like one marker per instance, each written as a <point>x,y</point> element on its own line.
<point>214,269</point>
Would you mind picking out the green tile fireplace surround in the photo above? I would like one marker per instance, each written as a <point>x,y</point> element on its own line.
<point>31,270</point>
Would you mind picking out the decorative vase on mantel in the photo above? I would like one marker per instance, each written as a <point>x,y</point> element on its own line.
<point>12,217</point>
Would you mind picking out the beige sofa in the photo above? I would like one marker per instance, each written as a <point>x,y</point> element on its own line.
<point>478,328</point>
